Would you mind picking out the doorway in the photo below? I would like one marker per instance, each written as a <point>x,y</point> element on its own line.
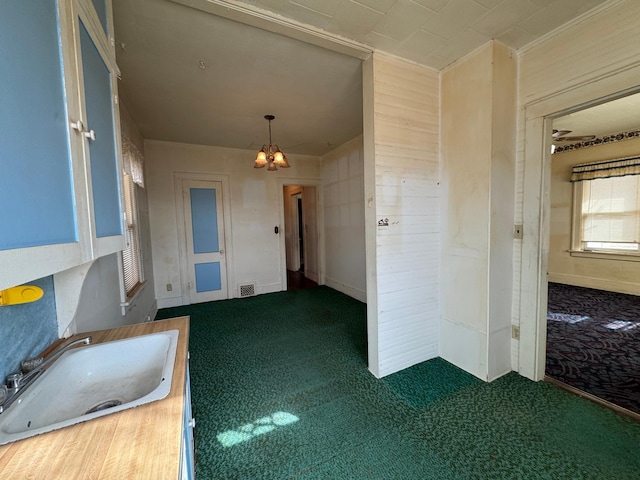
<point>204,229</point>
<point>592,338</point>
<point>539,124</point>
<point>202,208</point>
<point>301,236</point>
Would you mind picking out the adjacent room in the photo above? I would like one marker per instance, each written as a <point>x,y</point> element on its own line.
<point>593,309</point>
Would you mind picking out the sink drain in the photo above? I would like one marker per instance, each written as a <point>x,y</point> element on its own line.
<point>103,406</point>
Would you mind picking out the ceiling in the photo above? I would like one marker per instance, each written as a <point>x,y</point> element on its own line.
<point>434,33</point>
<point>193,77</point>
<point>617,116</point>
<point>191,74</point>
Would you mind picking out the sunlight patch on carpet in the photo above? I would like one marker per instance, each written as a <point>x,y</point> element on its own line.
<point>566,317</point>
<point>258,427</point>
<point>621,325</point>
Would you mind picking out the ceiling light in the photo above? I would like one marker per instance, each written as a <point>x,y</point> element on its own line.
<point>270,154</point>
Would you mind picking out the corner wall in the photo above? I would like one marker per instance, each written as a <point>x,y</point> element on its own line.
<point>402,212</point>
<point>478,165</point>
<point>343,185</point>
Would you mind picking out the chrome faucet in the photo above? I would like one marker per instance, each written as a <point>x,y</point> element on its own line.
<point>18,382</point>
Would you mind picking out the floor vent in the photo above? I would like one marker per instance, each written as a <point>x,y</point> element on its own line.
<point>247,290</point>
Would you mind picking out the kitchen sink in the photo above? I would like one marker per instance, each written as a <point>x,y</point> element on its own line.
<point>93,381</point>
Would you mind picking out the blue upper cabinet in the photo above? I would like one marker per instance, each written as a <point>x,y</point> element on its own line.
<point>98,94</point>
<point>35,155</point>
<point>59,188</point>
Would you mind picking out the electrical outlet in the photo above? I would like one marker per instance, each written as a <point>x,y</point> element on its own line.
<point>169,287</point>
<point>517,231</point>
<point>515,332</point>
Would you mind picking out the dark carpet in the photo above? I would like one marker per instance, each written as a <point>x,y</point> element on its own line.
<point>281,391</point>
<point>593,343</point>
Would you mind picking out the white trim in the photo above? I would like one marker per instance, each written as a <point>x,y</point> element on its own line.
<point>595,11</point>
<point>170,302</point>
<point>370,222</point>
<point>272,22</point>
<point>302,182</point>
<point>597,283</point>
<point>153,312</point>
<point>353,292</point>
<point>606,255</point>
<point>178,178</point>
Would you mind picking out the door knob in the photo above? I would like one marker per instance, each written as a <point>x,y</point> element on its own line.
<point>221,252</point>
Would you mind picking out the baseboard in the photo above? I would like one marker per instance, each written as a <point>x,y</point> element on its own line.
<point>592,398</point>
<point>353,292</point>
<point>269,288</point>
<point>153,311</point>
<point>169,302</point>
<point>608,285</point>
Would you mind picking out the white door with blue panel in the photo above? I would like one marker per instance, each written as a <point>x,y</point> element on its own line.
<point>204,228</point>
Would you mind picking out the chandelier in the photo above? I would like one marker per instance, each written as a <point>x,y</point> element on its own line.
<point>271,155</point>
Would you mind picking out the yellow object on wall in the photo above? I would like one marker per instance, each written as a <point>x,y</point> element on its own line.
<point>22,294</point>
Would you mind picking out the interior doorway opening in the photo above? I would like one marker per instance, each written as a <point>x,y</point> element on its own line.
<point>592,321</point>
<point>301,236</point>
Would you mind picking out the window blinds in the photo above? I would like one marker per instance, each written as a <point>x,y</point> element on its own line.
<point>131,254</point>
<point>610,210</point>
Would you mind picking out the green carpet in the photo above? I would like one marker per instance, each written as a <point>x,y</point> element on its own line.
<point>281,391</point>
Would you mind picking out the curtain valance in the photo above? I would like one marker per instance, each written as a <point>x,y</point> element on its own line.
<point>606,169</point>
<point>133,161</point>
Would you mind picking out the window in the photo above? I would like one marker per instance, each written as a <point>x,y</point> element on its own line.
<point>132,274</point>
<point>131,256</point>
<point>606,208</point>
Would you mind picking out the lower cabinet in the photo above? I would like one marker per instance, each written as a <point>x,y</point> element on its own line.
<point>187,468</point>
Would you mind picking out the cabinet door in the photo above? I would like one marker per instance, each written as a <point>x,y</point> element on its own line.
<point>103,156</point>
<point>39,194</point>
<point>35,184</point>
<point>187,470</point>
<point>59,191</point>
<point>101,128</point>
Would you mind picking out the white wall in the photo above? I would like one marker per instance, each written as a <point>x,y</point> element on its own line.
<point>601,273</point>
<point>88,296</point>
<point>343,186</point>
<point>594,57</point>
<point>478,150</point>
<point>255,196</point>
<point>401,145</point>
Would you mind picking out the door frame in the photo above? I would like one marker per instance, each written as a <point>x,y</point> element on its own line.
<point>227,244</point>
<point>301,182</point>
<point>295,227</point>
<point>538,118</point>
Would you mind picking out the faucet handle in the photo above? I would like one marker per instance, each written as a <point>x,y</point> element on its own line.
<point>13,380</point>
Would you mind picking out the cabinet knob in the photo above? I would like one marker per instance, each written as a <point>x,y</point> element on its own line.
<point>91,135</point>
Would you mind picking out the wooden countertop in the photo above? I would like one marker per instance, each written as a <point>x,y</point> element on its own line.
<point>139,443</point>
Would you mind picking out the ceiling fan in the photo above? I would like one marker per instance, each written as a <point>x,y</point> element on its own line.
<point>561,136</point>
